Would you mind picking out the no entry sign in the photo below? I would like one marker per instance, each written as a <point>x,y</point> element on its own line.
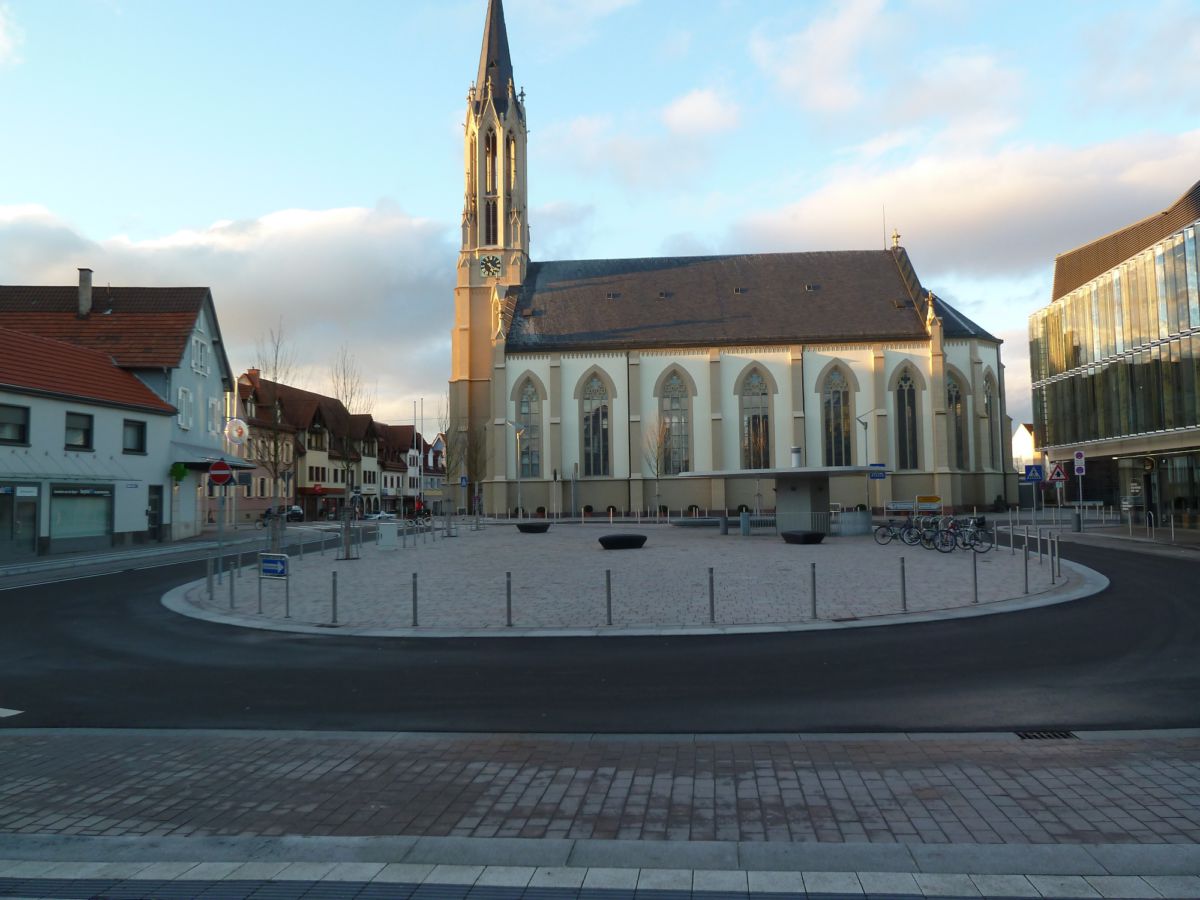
<point>219,472</point>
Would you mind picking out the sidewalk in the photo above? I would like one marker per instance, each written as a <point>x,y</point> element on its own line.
<point>1104,814</point>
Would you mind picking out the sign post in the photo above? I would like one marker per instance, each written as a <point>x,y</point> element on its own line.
<point>220,474</point>
<point>274,567</point>
<point>1080,470</point>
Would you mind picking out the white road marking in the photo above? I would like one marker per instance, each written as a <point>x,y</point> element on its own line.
<point>5,713</point>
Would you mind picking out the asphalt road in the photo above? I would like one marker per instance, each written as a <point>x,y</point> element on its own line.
<point>103,652</point>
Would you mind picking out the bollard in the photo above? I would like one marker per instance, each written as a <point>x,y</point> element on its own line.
<point>414,601</point>
<point>260,581</point>
<point>287,598</point>
<point>712,599</point>
<point>333,612</point>
<point>813,589</point>
<point>1058,554</point>
<point>1039,546</point>
<point>231,579</point>
<point>974,577</point>
<point>1011,551</point>
<point>1027,563</point>
<point>208,576</point>
<point>608,596</point>
<point>903,588</point>
<point>1050,549</point>
<point>508,599</point>
<point>239,564</point>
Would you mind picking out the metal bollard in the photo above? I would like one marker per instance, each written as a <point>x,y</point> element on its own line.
<point>1058,553</point>
<point>903,588</point>
<point>287,598</point>
<point>208,576</point>
<point>333,616</point>
<point>813,588</point>
<point>260,581</point>
<point>712,599</point>
<point>1027,563</point>
<point>1039,546</point>
<point>231,580</point>
<point>239,564</point>
<point>608,596</point>
<point>974,577</point>
<point>1050,549</point>
<point>414,601</point>
<point>508,599</point>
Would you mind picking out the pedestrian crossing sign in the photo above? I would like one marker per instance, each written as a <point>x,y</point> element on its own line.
<point>1057,473</point>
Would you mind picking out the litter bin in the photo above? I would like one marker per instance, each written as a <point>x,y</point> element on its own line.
<point>724,523</point>
<point>745,523</point>
<point>1077,522</point>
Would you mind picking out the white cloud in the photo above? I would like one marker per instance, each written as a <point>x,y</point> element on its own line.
<point>564,25</point>
<point>561,230</point>
<point>639,162</point>
<point>818,64</point>
<point>1007,212</point>
<point>11,38</point>
<point>702,111</point>
<point>376,279</point>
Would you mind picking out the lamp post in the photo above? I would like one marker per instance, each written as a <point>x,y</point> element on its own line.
<point>518,430</point>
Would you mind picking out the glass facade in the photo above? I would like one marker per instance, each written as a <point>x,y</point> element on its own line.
<point>1120,355</point>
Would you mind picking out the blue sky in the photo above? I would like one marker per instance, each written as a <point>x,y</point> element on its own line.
<point>305,160</point>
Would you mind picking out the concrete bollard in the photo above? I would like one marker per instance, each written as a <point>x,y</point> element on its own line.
<point>608,596</point>
<point>712,599</point>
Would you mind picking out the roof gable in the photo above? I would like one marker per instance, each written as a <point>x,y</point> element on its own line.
<point>137,327</point>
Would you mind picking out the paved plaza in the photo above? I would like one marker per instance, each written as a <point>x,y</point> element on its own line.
<point>562,581</point>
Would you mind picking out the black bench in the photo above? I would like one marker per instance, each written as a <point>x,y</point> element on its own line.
<point>622,541</point>
<point>533,527</point>
<point>802,537</point>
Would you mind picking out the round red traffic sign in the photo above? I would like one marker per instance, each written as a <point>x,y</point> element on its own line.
<point>219,472</point>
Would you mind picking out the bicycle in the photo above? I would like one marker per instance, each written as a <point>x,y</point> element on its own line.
<point>885,534</point>
<point>973,535</point>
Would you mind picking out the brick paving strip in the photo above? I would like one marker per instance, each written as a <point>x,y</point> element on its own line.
<point>978,790</point>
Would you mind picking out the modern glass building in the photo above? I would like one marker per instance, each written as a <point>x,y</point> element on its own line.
<point>1115,362</point>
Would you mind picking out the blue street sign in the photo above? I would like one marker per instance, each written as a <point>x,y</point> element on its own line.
<point>272,565</point>
<point>462,480</point>
<point>878,476</point>
<point>1033,473</point>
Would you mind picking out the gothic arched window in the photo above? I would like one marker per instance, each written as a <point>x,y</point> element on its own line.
<point>955,431</point>
<point>906,423</point>
<point>756,422</point>
<point>594,416</point>
<point>489,162</point>
<point>674,426</point>
<point>992,411</point>
<point>835,419</point>
<point>529,419</point>
<point>512,162</point>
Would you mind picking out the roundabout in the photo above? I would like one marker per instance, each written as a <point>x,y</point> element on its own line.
<point>499,582</point>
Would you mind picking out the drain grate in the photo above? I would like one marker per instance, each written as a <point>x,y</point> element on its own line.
<point>1047,735</point>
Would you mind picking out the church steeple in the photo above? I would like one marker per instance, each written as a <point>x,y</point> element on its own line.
<point>495,65</point>
<point>495,201</point>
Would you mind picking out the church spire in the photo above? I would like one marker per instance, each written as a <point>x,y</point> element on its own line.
<point>495,65</point>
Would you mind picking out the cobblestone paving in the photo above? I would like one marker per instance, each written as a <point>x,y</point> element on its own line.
<point>980,790</point>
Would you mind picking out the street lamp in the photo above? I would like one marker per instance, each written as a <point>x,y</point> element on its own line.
<point>518,430</point>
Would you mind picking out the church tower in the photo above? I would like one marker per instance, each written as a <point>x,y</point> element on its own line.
<point>494,256</point>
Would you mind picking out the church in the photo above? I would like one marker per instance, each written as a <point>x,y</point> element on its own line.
<point>693,382</point>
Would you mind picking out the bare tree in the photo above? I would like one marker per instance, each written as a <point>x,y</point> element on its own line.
<point>348,388</point>
<point>475,456</point>
<point>656,438</point>
<point>455,436</point>
<point>273,443</point>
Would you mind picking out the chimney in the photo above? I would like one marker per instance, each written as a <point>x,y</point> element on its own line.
<point>253,373</point>
<point>85,293</point>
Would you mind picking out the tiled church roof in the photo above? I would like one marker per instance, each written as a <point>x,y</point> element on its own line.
<point>778,298</point>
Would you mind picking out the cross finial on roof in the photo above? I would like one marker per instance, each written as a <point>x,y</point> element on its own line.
<point>895,238</point>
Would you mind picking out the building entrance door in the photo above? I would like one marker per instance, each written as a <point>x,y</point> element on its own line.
<point>18,521</point>
<point>154,513</point>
